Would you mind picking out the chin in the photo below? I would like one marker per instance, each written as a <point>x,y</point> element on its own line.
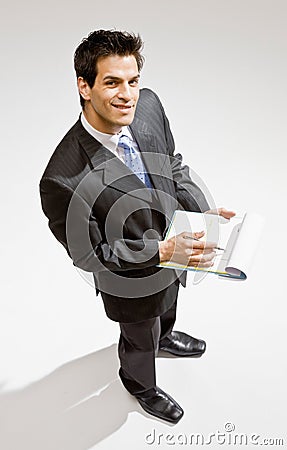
<point>127,121</point>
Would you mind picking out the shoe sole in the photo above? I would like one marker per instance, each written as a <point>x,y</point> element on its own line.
<point>189,355</point>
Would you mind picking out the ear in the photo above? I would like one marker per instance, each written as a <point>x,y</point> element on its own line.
<point>84,88</point>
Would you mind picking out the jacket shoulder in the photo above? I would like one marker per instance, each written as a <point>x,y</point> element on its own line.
<point>148,96</point>
<point>149,107</point>
<point>67,157</point>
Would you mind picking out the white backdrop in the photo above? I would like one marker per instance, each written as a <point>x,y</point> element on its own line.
<point>220,69</point>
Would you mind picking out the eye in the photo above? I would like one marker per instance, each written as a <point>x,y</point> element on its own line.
<point>134,82</point>
<point>110,83</point>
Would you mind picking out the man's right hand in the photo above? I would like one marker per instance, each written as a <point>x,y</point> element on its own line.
<point>183,249</point>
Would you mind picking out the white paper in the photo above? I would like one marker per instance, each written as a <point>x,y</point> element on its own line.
<point>238,237</point>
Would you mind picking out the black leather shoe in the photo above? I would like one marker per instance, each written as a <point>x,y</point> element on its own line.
<point>181,344</point>
<point>161,405</point>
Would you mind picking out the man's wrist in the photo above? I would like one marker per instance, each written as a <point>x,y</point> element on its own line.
<point>165,250</point>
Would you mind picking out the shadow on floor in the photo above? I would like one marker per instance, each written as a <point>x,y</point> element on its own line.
<point>73,408</point>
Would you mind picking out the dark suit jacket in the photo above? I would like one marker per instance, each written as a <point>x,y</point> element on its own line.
<point>109,222</point>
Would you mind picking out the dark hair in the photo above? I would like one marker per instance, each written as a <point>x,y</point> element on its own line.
<point>104,43</point>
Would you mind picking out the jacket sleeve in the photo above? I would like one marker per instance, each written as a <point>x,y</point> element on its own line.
<point>189,195</point>
<point>73,223</point>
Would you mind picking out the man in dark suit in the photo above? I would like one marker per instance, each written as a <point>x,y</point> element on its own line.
<point>109,192</point>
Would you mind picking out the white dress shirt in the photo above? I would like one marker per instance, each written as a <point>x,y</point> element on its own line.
<point>110,141</point>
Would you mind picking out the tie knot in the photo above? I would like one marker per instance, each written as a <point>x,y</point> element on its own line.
<point>124,141</point>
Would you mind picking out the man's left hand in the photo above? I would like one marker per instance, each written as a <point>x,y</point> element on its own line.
<point>221,212</point>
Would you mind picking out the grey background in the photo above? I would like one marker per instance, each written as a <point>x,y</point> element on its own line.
<point>220,69</point>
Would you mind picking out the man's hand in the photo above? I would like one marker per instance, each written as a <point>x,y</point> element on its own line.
<point>183,249</point>
<point>221,212</point>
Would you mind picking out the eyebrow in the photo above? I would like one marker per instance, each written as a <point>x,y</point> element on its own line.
<point>111,77</point>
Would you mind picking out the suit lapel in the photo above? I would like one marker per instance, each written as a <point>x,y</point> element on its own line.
<point>153,160</point>
<point>116,174</point>
<point>157,167</point>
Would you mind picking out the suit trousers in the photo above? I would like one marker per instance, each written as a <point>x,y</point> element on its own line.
<point>138,347</point>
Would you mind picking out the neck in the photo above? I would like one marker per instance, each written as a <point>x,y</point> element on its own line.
<point>101,126</point>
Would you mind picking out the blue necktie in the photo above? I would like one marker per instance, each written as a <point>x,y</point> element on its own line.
<point>133,160</point>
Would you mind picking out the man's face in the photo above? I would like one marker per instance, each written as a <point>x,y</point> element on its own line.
<point>111,102</point>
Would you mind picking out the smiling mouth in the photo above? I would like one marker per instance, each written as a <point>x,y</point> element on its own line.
<point>123,107</point>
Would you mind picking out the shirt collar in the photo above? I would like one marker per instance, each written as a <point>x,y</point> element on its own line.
<point>110,141</point>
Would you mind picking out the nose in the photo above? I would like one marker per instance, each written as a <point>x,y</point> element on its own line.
<point>125,92</point>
